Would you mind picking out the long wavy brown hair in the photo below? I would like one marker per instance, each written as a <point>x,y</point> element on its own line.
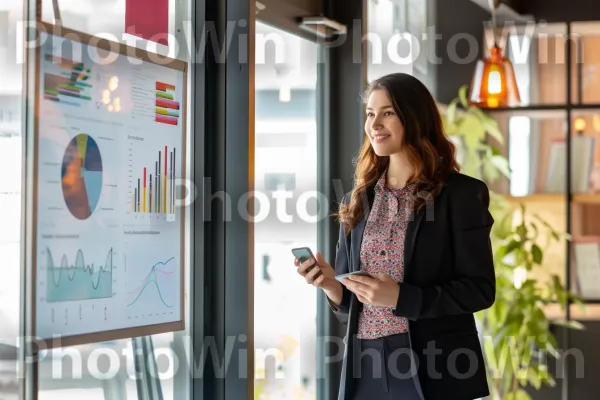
<point>427,147</point>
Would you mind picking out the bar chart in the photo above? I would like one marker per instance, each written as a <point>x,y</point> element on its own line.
<point>167,108</point>
<point>154,190</point>
<point>66,81</point>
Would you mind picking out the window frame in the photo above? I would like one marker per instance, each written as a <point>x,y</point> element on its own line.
<point>148,384</point>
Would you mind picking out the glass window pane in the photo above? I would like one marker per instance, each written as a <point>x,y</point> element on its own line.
<point>11,84</point>
<point>107,370</point>
<point>285,307</point>
<point>584,62</point>
<point>534,143</point>
<point>539,60</point>
<point>395,38</point>
<point>585,209</point>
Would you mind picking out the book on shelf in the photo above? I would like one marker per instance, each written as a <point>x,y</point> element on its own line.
<point>586,254</point>
<point>582,163</point>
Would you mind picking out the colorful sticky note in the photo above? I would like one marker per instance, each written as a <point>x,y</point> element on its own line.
<point>148,19</point>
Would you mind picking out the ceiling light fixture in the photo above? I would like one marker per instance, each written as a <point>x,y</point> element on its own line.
<point>494,83</point>
<point>324,28</point>
<point>285,93</point>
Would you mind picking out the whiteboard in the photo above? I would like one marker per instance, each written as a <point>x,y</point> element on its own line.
<point>109,149</point>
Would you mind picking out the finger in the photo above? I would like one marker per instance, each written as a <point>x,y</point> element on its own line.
<point>320,259</point>
<point>356,288</point>
<point>309,263</point>
<point>365,280</point>
<point>302,270</point>
<point>362,281</point>
<point>353,286</point>
<point>362,299</point>
<point>306,265</point>
<point>312,275</point>
<point>318,282</point>
<point>383,277</point>
<point>296,262</point>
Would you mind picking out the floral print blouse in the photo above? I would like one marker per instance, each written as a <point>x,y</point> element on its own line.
<point>382,251</point>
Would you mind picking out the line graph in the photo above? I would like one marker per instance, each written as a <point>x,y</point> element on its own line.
<point>151,280</point>
<point>78,281</point>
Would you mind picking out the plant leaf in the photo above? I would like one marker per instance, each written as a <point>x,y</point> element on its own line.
<point>536,252</point>
<point>535,230</point>
<point>545,223</point>
<point>451,111</point>
<point>490,172</point>
<point>520,394</point>
<point>515,318</point>
<point>571,324</point>
<point>449,127</point>
<point>504,228</point>
<point>473,132</point>
<point>522,231</point>
<point>491,127</point>
<point>512,246</point>
<point>534,378</point>
<point>501,163</point>
<point>541,370</point>
<point>540,320</point>
<point>550,346</point>
<point>462,95</point>
<point>501,309</point>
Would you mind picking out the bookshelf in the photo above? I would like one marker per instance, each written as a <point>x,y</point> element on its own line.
<point>552,142</point>
<point>590,313</point>
<point>578,198</point>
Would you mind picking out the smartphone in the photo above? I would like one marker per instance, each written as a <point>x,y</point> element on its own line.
<point>303,254</point>
<point>342,276</point>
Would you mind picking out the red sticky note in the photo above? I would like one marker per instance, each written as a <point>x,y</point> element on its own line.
<point>148,19</point>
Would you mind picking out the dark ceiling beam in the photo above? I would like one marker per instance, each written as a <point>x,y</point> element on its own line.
<point>285,14</point>
<point>563,11</point>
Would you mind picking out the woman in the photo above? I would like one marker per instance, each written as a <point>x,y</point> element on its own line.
<point>421,230</point>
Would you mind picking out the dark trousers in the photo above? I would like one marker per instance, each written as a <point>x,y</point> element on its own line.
<point>383,369</point>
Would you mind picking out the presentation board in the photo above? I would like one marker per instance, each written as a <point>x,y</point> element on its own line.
<point>109,154</point>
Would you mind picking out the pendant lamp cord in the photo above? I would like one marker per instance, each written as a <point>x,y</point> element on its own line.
<point>493,5</point>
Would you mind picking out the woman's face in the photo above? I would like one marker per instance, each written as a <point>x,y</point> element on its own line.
<point>382,125</point>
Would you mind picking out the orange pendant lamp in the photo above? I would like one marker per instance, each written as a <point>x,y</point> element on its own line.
<point>494,83</point>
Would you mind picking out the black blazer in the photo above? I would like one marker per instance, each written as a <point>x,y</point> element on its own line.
<point>448,276</point>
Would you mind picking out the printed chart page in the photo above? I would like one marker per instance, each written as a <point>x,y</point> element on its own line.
<point>109,236</point>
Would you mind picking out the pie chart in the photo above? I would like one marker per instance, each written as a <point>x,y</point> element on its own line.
<point>81,176</point>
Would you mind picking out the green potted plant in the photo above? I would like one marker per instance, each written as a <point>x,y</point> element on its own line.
<point>470,127</point>
<point>515,329</point>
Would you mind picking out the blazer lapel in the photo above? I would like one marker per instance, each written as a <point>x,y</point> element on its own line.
<point>357,235</point>
<point>412,230</point>
<point>359,229</point>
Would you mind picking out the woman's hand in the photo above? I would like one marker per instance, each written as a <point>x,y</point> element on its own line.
<point>378,289</point>
<point>322,276</point>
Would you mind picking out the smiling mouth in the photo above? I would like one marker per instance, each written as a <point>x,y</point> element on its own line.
<point>380,138</point>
